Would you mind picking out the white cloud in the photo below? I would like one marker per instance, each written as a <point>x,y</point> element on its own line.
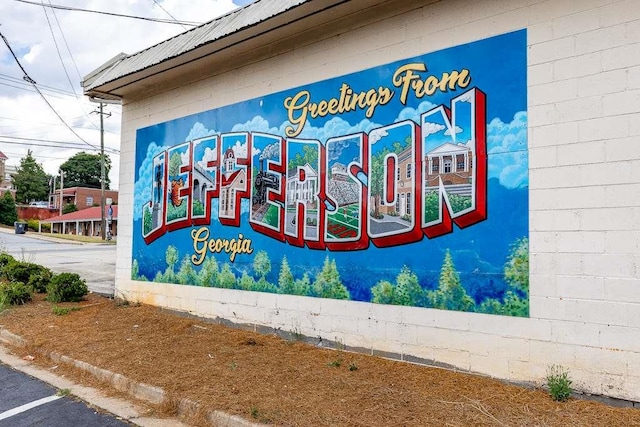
<point>376,135</point>
<point>507,150</point>
<point>209,156</point>
<point>240,149</point>
<point>458,130</point>
<point>198,130</point>
<point>143,184</point>
<point>414,113</point>
<point>429,128</point>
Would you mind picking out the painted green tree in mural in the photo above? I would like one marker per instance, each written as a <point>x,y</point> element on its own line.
<point>376,183</point>
<point>187,275</point>
<point>328,283</point>
<point>450,294</point>
<point>286,282</point>
<point>408,290</point>
<point>309,155</point>
<point>208,275</point>
<point>405,291</point>
<point>175,161</point>
<point>226,278</point>
<point>261,263</point>
<point>516,273</point>
<point>382,292</point>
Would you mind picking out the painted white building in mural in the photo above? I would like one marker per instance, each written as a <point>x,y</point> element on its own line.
<point>583,115</point>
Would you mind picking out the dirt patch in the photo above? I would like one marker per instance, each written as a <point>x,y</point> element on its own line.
<point>268,379</point>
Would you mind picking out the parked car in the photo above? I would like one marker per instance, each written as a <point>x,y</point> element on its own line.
<point>39,204</point>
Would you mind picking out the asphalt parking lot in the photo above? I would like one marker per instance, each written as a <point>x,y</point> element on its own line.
<point>26,401</point>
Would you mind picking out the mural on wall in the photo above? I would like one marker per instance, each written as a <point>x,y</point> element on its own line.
<point>403,184</point>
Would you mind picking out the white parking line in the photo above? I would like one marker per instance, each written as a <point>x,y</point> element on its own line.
<point>26,407</point>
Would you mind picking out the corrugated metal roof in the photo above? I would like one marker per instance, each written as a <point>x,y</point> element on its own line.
<point>245,17</point>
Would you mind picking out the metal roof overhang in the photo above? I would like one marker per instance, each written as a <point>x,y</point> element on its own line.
<point>258,34</point>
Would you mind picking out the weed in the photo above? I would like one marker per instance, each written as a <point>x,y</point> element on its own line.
<point>233,366</point>
<point>62,311</point>
<point>256,414</point>
<point>123,302</point>
<point>15,293</point>
<point>353,366</point>
<point>64,392</point>
<point>336,363</point>
<point>559,383</point>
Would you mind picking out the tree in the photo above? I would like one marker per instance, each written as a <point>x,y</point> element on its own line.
<point>450,294</point>
<point>8,210</point>
<point>285,278</point>
<point>30,180</point>
<point>328,284</point>
<point>84,170</point>
<point>261,263</point>
<point>408,290</point>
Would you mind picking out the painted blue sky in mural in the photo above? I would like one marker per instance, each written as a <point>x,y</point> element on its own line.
<point>497,66</point>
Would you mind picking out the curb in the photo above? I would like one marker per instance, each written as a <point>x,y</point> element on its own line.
<point>140,391</point>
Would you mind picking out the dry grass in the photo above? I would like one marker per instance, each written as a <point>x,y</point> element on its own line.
<point>268,379</point>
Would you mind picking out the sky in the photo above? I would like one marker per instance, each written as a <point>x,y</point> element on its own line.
<point>57,48</point>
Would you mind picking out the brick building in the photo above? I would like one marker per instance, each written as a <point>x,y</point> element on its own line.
<point>82,197</point>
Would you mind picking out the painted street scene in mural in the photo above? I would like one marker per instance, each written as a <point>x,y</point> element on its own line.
<point>403,184</point>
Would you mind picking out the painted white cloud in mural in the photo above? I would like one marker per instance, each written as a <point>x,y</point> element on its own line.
<point>199,131</point>
<point>209,156</point>
<point>430,128</point>
<point>458,130</point>
<point>507,149</point>
<point>336,126</point>
<point>414,113</point>
<point>257,124</point>
<point>240,149</point>
<point>143,184</point>
<point>377,135</point>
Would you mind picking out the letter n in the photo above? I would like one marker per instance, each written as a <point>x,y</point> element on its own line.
<point>455,164</point>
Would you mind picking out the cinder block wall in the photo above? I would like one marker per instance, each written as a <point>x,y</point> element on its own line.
<point>584,129</point>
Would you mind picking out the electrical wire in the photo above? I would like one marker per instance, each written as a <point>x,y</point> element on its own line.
<point>144,18</point>
<point>167,12</point>
<point>70,144</point>
<point>33,83</point>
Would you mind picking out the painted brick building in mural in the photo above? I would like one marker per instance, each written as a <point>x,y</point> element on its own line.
<point>373,100</point>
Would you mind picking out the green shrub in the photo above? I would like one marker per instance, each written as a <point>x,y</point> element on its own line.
<point>559,383</point>
<point>19,271</point>
<point>14,293</point>
<point>66,287</point>
<point>5,259</point>
<point>33,224</point>
<point>69,208</point>
<point>40,280</point>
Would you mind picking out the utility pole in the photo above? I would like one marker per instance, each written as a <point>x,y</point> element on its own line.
<point>102,169</point>
<point>61,187</point>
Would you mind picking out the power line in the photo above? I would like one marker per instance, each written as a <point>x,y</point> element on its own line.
<point>55,42</point>
<point>144,18</point>
<point>43,87</point>
<point>65,143</point>
<point>167,12</point>
<point>33,83</point>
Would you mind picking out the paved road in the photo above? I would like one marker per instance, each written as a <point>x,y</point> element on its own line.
<point>94,262</point>
<point>26,401</point>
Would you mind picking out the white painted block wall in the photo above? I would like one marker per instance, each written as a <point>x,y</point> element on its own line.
<point>584,154</point>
